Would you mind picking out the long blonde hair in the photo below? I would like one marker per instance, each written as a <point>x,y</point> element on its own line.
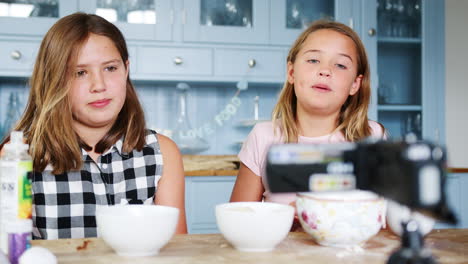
<point>47,120</point>
<point>353,122</point>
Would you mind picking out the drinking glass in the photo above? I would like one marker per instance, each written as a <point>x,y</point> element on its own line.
<point>387,93</point>
<point>388,14</point>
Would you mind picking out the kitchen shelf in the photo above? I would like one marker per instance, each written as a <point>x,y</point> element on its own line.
<point>399,108</point>
<point>399,40</point>
<point>251,122</point>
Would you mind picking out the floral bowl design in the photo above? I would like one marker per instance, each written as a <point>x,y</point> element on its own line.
<point>341,219</point>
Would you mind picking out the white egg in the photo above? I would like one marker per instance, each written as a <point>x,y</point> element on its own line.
<point>37,255</point>
<point>397,213</point>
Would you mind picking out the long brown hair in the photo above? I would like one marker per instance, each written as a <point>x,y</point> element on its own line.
<point>47,121</point>
<point>353,122</point>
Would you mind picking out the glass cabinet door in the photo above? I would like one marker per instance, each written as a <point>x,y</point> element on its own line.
<point>32,17</point>
<point>229,21</point>
<point>137,19</point>
<point>290,17</point>
<point>399,47</point>
<point>405,44</point>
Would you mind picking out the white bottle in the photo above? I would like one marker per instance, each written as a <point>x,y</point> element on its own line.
<point>15,185</point>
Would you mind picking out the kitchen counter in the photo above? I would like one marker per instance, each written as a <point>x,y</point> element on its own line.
<point>447,245</point>
<point>228,165</point>
<point>226,172</point>
<point>458,170</point>
<point>210,165</point>
<point>211,173</point>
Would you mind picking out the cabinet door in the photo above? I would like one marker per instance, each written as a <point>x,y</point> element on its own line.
<point>163,63</point>
<point>290,17</point>
<point>138,19</point>
<point>405,43</point>
<point>202,194</point>
<point>455,191</point>
<point>32,17</point>
<point>17,57</point>
<point>228,21</point>
<point>258,64</point>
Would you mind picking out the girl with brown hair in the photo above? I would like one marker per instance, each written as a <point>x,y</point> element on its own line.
<point>324,99</point>
<point>87,135</point>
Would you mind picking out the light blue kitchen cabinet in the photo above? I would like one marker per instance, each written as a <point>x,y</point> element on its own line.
<point>17,57</point>
<point>405,44</point>
<point>275,22</point>
<point>202,194</point>
<point>229,21</point>
<point>457,197</point>
<point>165,62</point>
<point>138,20</point>
<point>206,63</point>
<point>288,18</point>
<point>252,64</point>
<point>32,17</point>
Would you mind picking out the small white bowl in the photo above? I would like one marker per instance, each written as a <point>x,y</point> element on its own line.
<point>137,230</point>
<point>254,226</point>
<point>341,219</point>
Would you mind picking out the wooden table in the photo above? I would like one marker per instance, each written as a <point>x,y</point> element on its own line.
<point>447,245</point>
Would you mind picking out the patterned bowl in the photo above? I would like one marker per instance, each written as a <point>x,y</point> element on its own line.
<point>341,219</point>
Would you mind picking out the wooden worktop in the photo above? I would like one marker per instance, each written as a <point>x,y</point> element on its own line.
<point>447,245</point>
<point>210,165</point>
<point>457,170</point>
<point>228,165</point>
<point>211,173</point>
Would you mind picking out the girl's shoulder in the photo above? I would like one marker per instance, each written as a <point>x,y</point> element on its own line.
<point>377,129</point>
<point>160,142</point>
<point>151,139</point>
<point>268,131</point>
<point>263,134</point>
<point>264,127</point>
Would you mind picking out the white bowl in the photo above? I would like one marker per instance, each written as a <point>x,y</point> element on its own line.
<point>137,230</point>
<point>341,219</point>
<point>254,226</point>
<point>397,213</point>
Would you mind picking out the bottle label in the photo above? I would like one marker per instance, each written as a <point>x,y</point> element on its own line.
<point>16,197</point>
<point>24,189</point>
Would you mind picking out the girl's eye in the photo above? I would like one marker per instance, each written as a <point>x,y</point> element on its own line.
<point>313,61</point>
<point>111,68</point>
<point>341,66</point>
<point>80,73</point>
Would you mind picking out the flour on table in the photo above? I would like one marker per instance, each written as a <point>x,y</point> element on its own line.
<point>349,251</point>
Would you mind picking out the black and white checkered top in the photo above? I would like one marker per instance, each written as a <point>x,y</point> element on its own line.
<point>65,204</point>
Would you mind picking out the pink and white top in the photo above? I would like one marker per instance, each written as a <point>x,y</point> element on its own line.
<point>254,151</point>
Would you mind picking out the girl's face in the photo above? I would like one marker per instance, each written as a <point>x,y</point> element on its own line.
<point>98,84</point>
<point>324,73</point>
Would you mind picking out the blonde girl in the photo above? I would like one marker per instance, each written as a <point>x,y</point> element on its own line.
<point>324,100</point>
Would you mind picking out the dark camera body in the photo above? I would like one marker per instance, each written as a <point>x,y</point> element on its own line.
<point>412,174</point>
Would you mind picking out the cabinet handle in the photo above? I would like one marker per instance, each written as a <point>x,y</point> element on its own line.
<point>178,61</point>
<point>371,32</point>
<point>252,63</point>
<point>16,55</point>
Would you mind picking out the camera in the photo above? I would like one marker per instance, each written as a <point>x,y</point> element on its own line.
<point>410,173</point>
